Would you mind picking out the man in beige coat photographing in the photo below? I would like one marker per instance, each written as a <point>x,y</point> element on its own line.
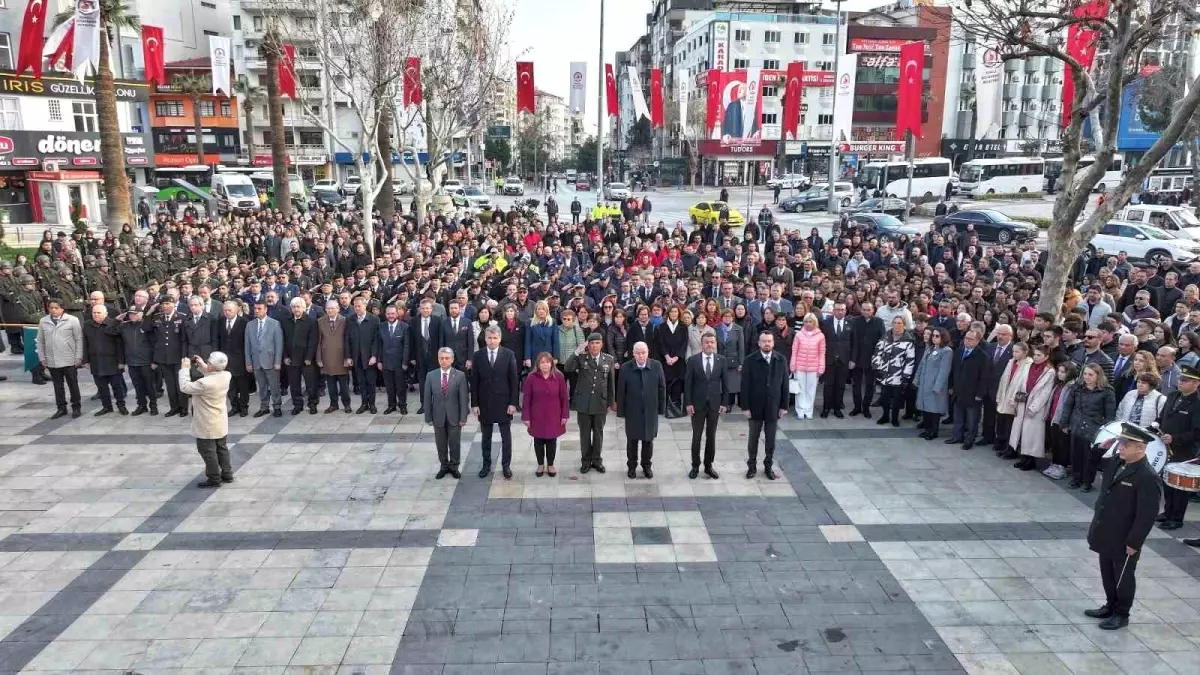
<point>210,414</point>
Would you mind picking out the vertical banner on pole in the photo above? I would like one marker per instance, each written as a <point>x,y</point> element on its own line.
<point>843,97</point>
<point>908,93</point>
<point>578,87</point>
<point>656,98</point>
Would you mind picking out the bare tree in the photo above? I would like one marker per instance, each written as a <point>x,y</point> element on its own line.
<point>1156,96</point>
<point>1025,28</point>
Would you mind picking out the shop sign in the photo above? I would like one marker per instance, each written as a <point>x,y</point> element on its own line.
<point>952,146</point>
<point>712,148</point>
<point>879,61</point>
<point>32,148</point>
<point>720,55</point>
<point>872,147</point>
<point>65,87</point>
<point>887,45</point>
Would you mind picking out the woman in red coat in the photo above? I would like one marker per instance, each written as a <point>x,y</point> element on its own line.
<point>545,411</point>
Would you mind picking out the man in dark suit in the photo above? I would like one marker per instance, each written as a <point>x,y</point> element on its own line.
<point>392,360</point>
<point>969,375</point>
<point>459,335</point>
<point>300,355</point>
<point>641,330</point>
<point>166,326</point>
<point>703,394</point>
<point>495,392</point>
<point>425,339</point>
<point>764,401</point>
<point>444,390</point>
<point>104,355</point>
<point>865,332</point>
<point>362,332</point>
<point>839,344</point>
<point>1122,371</point>
<point>231,341</point>
<point>997,427</point>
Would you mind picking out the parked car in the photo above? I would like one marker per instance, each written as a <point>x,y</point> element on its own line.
<point>888,205</point>
<point>514,186</point>
<point>327,184</point>
<point>616,191</point>
<point>1143,242</point>
<point>884,226</point>
<point>790,181</point>
<point>470,196</point>
<point>583,183</point>
<point>351,186</point>
<point>1178,221</point>
<point>710,212</point>
<point>452,184</point>
<point>816,198</point>
<point>327,198</point>
<point>990,224</point>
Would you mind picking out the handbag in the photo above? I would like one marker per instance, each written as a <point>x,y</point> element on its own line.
<point>674,409</point>
<point>794,386</point>
<point>1020,397</point>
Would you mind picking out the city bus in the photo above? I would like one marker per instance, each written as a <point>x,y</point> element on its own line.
<point>1110,178</point>
<point>168,181</point>
<point>931,175</point>
<point>1001,175</point>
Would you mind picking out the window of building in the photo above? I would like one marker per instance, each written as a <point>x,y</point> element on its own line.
<point>741,64</point>
<point>258,23</point>
<point>828,39</point>
<point>770,118</point>
<point>208,108</point>
<point>168,108</point>
<point>772,36</point>
<point>312,138</point>
<point>770,91</point>
<point>210,5</point>
<point>771,64</point>
<point>10,113</point>
<point>55,110</point>
<point>84,113</point>
<point>823,65</point>
<point>237,21</point>
<point>226,108</point>
<point>823,120</point>
<point>800,39</point>
<point>211,32</point>
<point>741,34</point>
<point>6,55</point>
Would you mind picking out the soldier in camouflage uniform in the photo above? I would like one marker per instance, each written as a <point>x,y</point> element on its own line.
<point>104,281</point>
<point>8,286</point>
<point>42,272</point>
<point>28,308</point>
<point>71,292</point>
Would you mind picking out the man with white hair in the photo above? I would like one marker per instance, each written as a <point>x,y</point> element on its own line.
<point>300,354</point>
<point>210,415</point>
<point>103,355</point>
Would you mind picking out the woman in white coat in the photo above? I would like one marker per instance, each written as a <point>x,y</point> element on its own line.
<point>1006,407</point>
<point>1142,404</point>
<point>1032,398</point>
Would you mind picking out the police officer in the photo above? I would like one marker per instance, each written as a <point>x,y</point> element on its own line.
<point>1124,515</point>
<point>595,394</point>
<point>1180,424</point>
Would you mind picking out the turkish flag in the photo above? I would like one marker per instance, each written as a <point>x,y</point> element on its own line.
<point>792,99</point>
<point>610,84</point>
<point>287,71</point>
<point>1081,46</point>
<point>908,94</point>
<point>32,34</point>
<point>656,98</point>
<point>526,98</point>
<point>413,95</point>
<point>713,109</point>
<point>65,47</point>
<point>152,54</point>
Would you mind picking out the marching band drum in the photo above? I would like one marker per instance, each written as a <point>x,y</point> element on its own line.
<point>1179,475</point>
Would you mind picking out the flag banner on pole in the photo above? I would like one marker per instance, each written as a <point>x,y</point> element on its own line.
<point>413,94</point>
<point>793,95</point>
<point>712,111</point>
<point>218,54</point>
<point>739,107</point>
<point>1081,46</point>
<point>59,43</point>
<point>32,30</point>
<point>152,55</point>
<point>656,98</point>
<point>639,97</point>
<point>85,48</point>
<point>526,94</point>
<point>752,107</point>
<point>843,97</point>
<point>578,88</point>
<point>287,71</point>
<point>685,126</point>
<point>610,83</point>
<point>988,75</point>
<point>908,93</point>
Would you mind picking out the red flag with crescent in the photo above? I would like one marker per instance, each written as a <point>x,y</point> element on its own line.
<point>908,94</point>
<point>1081,45</point>
<point>413,95</point>
<point>792,99</point>
<point>656,98</point>
<point>713,109</point>
<point>610,84</point>
<point>152,54</point>
<point>32,32</point>
<point>525,91</point>
<point>287,71</point>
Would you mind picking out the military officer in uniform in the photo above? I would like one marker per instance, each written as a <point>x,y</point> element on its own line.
<point>1124,515</point>
<point>1180,425</point>
<point>28,306</point>
<point>166,328</point>
<point>595,394</point>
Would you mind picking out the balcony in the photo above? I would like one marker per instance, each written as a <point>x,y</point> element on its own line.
<point>1012,91</point>
<point>1052,92</point>
<point>1034,63</point>
<point>1031,91</point>
<point>289,122</point>
<point>1012,66</point>
<point>1011,117</point>
<point>968,60</point>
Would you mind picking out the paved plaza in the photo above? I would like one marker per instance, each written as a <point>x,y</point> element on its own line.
<point>336,551</point>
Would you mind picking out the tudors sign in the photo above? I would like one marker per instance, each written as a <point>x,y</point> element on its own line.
<point>67,149</point>
<point>64,87</point>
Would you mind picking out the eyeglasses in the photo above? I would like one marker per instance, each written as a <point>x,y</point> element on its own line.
<point>1091,337</point>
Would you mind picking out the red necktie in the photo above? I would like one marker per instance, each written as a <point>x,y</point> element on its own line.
<point>445,384</point>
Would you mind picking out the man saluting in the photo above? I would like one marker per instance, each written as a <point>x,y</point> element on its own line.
<point>1124,515</point>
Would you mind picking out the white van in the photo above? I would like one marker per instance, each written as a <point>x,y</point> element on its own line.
<point>1179,221</point>
<point>234,192</point>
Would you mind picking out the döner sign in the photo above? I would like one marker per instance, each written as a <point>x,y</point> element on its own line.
<point>75,146</point>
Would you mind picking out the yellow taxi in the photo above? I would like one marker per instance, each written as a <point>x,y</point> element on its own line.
<point>710,212</point>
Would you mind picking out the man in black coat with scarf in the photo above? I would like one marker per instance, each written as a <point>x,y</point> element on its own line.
<point>641,398</point>
<point>103,354</point>
<point>495,390</point>
<point>970,373</point>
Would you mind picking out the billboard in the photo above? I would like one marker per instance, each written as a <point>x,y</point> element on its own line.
<point>720,48</point>
<point>734,118</point>
<point>1131,131</point>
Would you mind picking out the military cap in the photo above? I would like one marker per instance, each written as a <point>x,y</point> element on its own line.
<point>26,279</point>
<point>1190,372</point>
<point>1133,432</point>
<point>5,265</point>
<point>595,337</point>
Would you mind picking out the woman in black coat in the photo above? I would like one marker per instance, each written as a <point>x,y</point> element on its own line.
<point>671,341</point>
<point>512,331</point>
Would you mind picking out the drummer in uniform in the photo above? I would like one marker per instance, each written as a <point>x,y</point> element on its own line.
<point>1124,516</point>
<point>1180,425</point>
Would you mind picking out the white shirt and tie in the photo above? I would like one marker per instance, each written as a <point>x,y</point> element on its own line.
<point>229,325</point>
<point>425,327</point>
<point>837,326</point>
<point>492,356</point>
<point>708,361</point>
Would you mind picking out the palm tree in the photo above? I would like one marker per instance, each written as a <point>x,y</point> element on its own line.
<point>195,87</point>
<point>114,16</point>
<point>272,51</point>
<point>252,95</point>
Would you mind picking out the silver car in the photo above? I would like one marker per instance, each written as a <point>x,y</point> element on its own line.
<point>616,191</point>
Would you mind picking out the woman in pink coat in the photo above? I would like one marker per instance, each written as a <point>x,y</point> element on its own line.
<point>807,364</point>
<point>545,412</point>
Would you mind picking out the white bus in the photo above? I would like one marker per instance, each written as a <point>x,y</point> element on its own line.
<point>1169,179</point>
<point>931,175</point>
<point>1110,178</point>
<point>1001,175</point>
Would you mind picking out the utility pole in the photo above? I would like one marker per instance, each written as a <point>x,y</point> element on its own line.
<point>833,142</point>
<point>601,116</point>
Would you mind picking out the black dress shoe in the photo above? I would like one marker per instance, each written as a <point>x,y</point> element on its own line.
<point>102,412</point>
<point>76,413</point>
<point>866,414</point>
<point>1102,612</point>
<point>694,472</point>
<point>140,410</point>
<point>1194,543</point>
<point>1114,622</point>
<point>210,483</point>
<point>362,409</point>
<point>277,412</point>
<point>882,420</point>
<point>1074,485</point>
<point>585,468</point>
<point>241,413</point>
<point>953,441</point>
<point>154,411</point>
<point>769,473</point>
<point>347,409</point>
<point>297,410</point>
<point>455,473</point>
<point>838,414</point>
<point>373,409</point>
<point>506,472</point>
<point>389,410</point>
<point>710,472</point>
<point>403,410</point>
<point>122,410</point>
<point>647,472</point>
<point>631,473</point>
<point>598,467</point>
<point>332,408</point>
<point>855,411</point>
<point>421,410</point>
<point>751,472</point>
<point>824,414</point>
<point>485,470</point>
<point>968,445</point>
<point>58,414</point>
<point>312,410</point>
<point>1170,525</point>
<point>262,413</point>
<point>1009,453</point>
<point>226,479</point>
<point>442,473</point>
<point>1086,488</point>
<point>1162,518</point>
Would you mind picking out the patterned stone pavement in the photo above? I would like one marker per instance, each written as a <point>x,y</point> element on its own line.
<point>336,551</point>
